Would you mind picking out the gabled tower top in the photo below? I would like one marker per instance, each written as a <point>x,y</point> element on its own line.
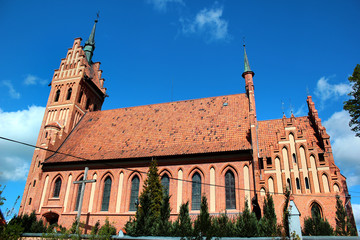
<point>90,43</point>
<point>246,65</point>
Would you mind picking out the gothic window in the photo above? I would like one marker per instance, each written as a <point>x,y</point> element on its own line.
<point>307,185</point>
<point>196,192</point>
<point>230,190</point>
<point>68,96</point>
<point>87,104</point>
<point>80,96</point>
<point>288,184</point>
<point>106,194</point>
<point>57,188</point>
<point>268,161</point>
<point>165,183</point>
<point>298,183</point>
<point>134,193</point>
<point>78,195</point>
<point>30,199</point>
<point>321,157</point>
<point>57,95</point>
<point>315,210</point>
<point>34,183</point>
<point>294,157</point>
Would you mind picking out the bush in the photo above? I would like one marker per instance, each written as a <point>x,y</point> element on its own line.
<point>107,230</point>
<point>317,226</point>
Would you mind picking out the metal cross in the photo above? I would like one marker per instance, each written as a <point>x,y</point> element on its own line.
<point>82,182</point>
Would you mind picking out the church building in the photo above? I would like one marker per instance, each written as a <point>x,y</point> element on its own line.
<point>211,146</point>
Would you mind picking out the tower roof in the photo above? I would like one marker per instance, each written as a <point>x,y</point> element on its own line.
<point>90,43</point>
<point>246,65</point>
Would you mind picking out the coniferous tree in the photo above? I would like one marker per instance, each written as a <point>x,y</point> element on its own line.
<point>202,225</point>
<point>268,223</point>
<point>223,226</point>
<point>343,223</point>
<point>164,225</point>
<point>353,104</point>
<point>286,213</point>
<point>317,226</point>
<point>182,227</point>
<point>247,223</point>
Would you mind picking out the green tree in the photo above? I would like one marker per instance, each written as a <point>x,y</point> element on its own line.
<point>247,223</point>
<point>164,225</point>
<point>268,223</point>
<point>286,213</point>
<point>317,226</point>
<point>107,230</point>
<point>2,199</point>
<point>223,226</point>
<point>202,225</point>
<point>353,104</point>
<point>343,223</point>
<point>182,227</point>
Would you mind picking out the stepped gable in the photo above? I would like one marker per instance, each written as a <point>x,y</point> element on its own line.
<point>204,125</point>
<point>272,131</point>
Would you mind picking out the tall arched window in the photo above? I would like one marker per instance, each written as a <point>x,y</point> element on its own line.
<point>80,96</point>
<point>298,183</point>
<point>196,192</point>
<point>307,185</point>
<point>165,182</point>
<point>78,195</point>
<point>315,210</point>
<point>68,96</point>
<point>106,194</point>
<point>134,193</point>
<point>230,190</point>
<point>288,184</point>
<point>57,95</point>
<point>57,188</point>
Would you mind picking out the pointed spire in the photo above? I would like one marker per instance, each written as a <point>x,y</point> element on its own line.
<point>90,43</point>
<point>246,65</point>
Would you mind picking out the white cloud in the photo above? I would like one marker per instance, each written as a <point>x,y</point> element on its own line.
<point>33,80</point>
<point>23,126</point>
<point>345,146</point>
<point>325,90</point>
<point>356,212</point>
<point>207,23</point>
<point>162,5</point>
<point>12,92</point>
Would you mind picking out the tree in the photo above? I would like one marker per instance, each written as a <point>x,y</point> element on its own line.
<point>247,223</point>
<point>164,225</point>
<point>202,225</point>
<point>343,223</point>
<point>317,226</point>
<point>2,199</point>
<point>182,227</point>
<point>268,223</point>
<point>353,104</point>
<point>286,213</point>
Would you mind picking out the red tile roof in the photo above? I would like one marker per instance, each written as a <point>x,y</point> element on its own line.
<point>204,125</point>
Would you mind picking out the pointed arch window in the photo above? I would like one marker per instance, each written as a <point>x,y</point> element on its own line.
<point>315,210</point>
<point>288,183</point>
<point>68,96</point>
<point>134,193</point>
<point>57,95</point>
<point>78,195</point>
<point>106,194</point>
<point>196,192</point>
<point>57,188</point>
<point>165,182</point>
<point>298,184</point>
<point>307,185</point>
<point>80,96</point>
<point>230,190</point>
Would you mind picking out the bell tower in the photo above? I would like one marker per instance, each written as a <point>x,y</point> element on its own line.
<point>76,88</point>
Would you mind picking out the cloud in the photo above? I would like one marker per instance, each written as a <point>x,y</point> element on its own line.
<point>325,90</point>
<point>23,126</point>
<point>207,23</point>
<point>345,146</point>
<point>356,212</point>
<point>12,92</point>
<point>34,80</point>
<point>162,5</point>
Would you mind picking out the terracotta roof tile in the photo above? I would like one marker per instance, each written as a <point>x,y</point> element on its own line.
<point>204,125</point>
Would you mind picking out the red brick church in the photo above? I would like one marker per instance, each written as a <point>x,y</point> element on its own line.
<point>217,141</point>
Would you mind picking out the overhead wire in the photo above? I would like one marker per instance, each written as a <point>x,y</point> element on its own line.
<point>173,178</point>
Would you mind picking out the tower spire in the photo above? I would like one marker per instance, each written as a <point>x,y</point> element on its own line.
<point>246,65</point>
<point>90,43</point>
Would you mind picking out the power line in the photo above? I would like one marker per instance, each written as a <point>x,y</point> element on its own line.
<point>143,172</point>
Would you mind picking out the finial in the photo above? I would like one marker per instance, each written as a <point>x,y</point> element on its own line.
<point>282,107</point>
<point>246,62</point>
<point>291,106</point>
<point>97,16</point>
<point>90,43</point>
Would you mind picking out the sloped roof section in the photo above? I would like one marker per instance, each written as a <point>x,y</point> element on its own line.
<point>204,125</point>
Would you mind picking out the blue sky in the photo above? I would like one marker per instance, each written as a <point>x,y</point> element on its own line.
<point>149,47</point>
